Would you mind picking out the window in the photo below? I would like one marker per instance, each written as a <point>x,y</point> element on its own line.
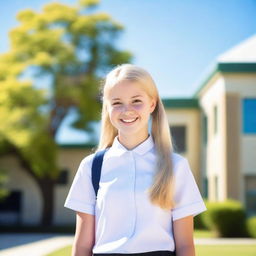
<point>205,129</point>
<point>205,187</point>
<point>10,209</point>
<point>216,187</point>
<point>250,194</point>
<point>249,116</point>
<point>63,177</point>
<point>215,121</point>
<point>179,138</point>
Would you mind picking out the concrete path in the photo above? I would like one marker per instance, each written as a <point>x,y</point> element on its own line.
<point>32,244</point>
<point>43,244</point>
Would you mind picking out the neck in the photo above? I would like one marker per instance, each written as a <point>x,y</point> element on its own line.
<point>131,142</point>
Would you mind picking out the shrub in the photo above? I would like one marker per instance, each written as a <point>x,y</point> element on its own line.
<point>198,222</point>
<point>251,226</point>
<point>226,219</point>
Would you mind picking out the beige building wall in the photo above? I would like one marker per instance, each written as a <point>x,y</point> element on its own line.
<point>213,97</point>
<point>191,119</point>
<point>69,158</point>
<point>230,153</point>
<point>245,86</point>
<point>31,204</point>
<point>233,146</point>
<point>19,179</point>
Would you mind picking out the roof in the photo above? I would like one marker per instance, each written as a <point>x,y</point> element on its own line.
<point>245,52</point>
<point>76,145</point>
<point>180,103</point>
<point>239,59</point>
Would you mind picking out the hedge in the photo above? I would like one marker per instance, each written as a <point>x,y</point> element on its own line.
<point>226,219</point>
<point>251,226</point>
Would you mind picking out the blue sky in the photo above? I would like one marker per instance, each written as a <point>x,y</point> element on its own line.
<point>176,41</point>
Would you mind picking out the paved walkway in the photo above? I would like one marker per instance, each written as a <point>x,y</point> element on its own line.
<point>32,244</point>
<point>43,244</point>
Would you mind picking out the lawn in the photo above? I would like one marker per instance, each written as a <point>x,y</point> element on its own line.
<point>203,234</point>
<point>224,250</point>
<point>201,250</point>
<point>66,251</point>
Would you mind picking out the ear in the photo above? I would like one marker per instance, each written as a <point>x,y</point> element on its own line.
<point>152,106</point>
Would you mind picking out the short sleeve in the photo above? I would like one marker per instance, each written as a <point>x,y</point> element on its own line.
<point>81,196</point>
<point>186,193</point>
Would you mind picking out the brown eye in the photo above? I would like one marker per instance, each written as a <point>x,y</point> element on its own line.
<point>116,103</point>
<point>136,101</point>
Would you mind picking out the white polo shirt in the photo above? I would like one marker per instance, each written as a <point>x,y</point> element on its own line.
<point>126,220</point>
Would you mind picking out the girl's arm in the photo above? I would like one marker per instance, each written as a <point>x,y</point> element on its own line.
<point>85,235</point>
<point>183,235</point>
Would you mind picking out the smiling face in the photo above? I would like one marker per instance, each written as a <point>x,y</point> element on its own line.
<point>129,108</point>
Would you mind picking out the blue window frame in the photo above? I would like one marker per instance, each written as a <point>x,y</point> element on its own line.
<point>249,116</point>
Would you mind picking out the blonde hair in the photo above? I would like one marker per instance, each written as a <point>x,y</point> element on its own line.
<point>161,191</point>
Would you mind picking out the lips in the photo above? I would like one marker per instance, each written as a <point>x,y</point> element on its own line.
<point>129,121</point>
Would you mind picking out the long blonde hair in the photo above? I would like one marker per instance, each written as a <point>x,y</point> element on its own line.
<point>161,191</point>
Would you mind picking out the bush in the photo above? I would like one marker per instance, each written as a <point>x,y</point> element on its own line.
<point>198,222</point>
<point>226,219</point>
<point>251,226</point>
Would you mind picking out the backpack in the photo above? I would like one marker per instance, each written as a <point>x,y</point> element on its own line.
<point>96,169</point>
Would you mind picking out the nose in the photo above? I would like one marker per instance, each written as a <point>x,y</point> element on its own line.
<point>128,109</point>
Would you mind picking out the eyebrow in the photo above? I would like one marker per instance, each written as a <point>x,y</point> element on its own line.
<point>136,96</point>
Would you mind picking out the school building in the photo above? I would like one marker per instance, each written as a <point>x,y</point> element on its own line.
<point>215,130</point>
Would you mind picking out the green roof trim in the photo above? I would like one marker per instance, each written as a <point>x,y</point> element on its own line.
<point>232,67</point>
<point>180,103</point>
<point>237,67</point>
<point>203,84</point>
<point>77,146</point>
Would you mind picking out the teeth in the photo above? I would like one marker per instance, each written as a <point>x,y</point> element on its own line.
<point>129,120</point>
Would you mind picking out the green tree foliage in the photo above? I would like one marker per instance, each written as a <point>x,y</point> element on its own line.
<point>68,47</point>
<point>3,190</point>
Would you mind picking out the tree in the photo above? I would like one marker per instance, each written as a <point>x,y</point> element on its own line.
<point>23,130</point>
<point>69,47</point>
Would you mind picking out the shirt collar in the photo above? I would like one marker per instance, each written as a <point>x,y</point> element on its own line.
<point>141,149</point>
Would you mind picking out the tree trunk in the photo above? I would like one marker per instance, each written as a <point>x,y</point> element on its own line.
<point>47,191</point>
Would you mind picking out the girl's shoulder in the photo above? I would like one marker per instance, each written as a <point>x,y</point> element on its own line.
<point>179,162</point>
<point>86,164</point>
<point>176,158</point>
<point>88,159</point>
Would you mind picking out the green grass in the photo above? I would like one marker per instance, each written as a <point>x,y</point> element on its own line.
<point>224,250</point>
<point>201,250</point>
<point>203,234</point>
<point>66,251</point>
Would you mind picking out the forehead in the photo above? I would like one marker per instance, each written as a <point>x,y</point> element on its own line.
<point>126,89</point>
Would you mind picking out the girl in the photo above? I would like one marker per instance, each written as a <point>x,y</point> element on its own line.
<point>147,193</point>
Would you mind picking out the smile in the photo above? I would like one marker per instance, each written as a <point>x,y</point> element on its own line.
<point>129,120</point>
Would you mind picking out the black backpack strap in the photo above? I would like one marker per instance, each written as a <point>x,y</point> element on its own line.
<point>96,169</point>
